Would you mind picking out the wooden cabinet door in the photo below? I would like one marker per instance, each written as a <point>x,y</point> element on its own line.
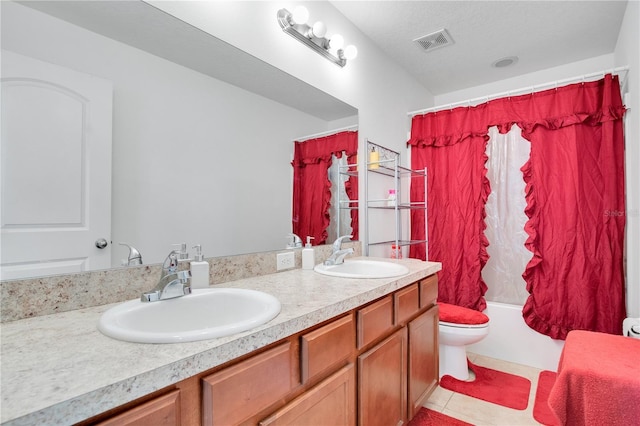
<point>382,382</point>
<point>423,358</point>
<point>161,411</point>
<point>233,395</point>
<point>332,402</point>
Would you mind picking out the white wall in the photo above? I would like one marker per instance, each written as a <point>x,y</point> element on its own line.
<point>539,78</point>
<point>179,138</point>
<point>628,53</point>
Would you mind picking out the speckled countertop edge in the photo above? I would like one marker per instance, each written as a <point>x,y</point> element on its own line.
<point>59,369</point>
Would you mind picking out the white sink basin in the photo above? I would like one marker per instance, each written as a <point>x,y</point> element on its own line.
<point>203,314</point>
<point>363,268</point>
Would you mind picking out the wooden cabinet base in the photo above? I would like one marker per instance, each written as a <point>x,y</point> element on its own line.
<point>236,393</point>
<point>332,402</point>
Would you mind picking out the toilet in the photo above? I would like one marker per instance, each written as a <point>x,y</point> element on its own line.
<point>457,328</point>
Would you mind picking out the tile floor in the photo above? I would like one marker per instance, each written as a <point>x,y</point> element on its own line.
<point>482,413</point>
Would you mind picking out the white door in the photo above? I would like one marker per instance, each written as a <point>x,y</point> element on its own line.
<point>56,169</point>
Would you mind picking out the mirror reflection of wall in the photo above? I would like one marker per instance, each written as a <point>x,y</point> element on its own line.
<point>195,159</point>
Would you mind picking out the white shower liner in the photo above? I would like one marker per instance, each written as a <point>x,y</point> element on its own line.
<point>510,339</point>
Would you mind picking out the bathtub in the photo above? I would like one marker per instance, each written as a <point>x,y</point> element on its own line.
<point>510,339</point>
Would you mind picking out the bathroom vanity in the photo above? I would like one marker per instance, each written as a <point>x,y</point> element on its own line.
<point>341,351</point>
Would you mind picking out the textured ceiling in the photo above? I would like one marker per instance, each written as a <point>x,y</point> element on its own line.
<point>543,34</point>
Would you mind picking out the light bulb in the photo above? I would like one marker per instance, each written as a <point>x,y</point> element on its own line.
<point>319,29</point>
<point>300,15</point>
<point>350,52</point>
<point>336,42</point>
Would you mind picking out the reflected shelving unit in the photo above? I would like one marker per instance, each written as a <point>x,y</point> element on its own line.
<point>344,203</point>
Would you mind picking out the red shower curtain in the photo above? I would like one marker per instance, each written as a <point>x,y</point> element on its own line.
<point>457,190</point>
<point>312,187</point>
<point>575,202</point>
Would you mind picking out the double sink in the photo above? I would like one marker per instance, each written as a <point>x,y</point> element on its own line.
<point>217,312</point>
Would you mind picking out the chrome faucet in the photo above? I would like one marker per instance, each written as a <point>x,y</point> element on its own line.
<point>294,241</point>
<point>134,258</point>
<point>172,283</point>
<point>338,254</point>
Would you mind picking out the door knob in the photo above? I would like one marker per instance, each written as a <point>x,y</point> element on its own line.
<point>101,243</point>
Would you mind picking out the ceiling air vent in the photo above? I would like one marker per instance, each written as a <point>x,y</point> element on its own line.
<point>434,41</point>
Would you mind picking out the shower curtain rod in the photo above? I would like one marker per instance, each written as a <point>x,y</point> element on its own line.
<point>327,133</point>
<point>524,90</point>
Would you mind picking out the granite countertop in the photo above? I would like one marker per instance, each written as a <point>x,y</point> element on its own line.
<point>59,369</point>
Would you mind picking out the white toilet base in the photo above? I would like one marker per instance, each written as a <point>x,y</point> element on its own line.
<point>453,361</point>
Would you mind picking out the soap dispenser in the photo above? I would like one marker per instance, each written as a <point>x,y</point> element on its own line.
<point>308,255</point>
<point>183,254</point>
<point>199,270</point>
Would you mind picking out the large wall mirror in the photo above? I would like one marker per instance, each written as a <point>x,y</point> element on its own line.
<point>201,135</point>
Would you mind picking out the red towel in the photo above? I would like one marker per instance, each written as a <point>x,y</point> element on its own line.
<point>598,380</point>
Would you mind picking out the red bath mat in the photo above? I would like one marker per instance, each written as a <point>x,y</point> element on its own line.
<point>541,410</point>
<point>492,386</point>
<point>427,417</point>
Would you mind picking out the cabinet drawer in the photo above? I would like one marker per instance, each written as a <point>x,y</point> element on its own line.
<point>407,303</point>
<point>236,393</point>
<point>332,402</point>
<point>161,411</point>
<point>429,290</point>
<point>327,346</point>
<point>374,321</point>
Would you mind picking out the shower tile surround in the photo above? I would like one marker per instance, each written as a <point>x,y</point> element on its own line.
<point>27,298</point>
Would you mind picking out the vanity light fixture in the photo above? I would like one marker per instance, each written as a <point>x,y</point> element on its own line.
<point>314,36</point>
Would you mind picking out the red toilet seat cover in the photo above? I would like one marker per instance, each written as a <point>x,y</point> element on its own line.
<point>459,315</point>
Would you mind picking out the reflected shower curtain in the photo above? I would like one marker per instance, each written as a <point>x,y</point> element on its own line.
<point>312,187</point>
<point>575,202</point>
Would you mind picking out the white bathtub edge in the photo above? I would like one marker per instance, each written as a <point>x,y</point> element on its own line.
<point>510,339</point>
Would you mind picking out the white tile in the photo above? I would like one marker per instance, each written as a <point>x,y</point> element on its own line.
<point>438,399</point>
